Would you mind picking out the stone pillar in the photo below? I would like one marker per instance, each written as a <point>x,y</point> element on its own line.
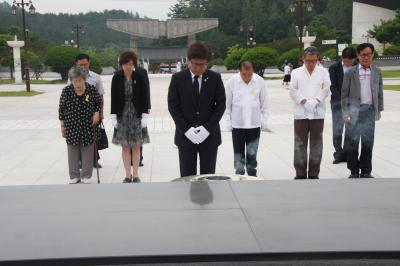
<point>16,45</point>
<point>308,40</point>
<point>133,44</point>
<point>191,39</point>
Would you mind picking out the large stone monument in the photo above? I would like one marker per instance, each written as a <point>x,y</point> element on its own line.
<point>16,45</point>
<point>308,40</point>
<point>154,29</point>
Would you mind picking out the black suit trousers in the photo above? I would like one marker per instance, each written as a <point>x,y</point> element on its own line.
<point>188,160</point>
<point>364,130</point>
<point>337,132</point>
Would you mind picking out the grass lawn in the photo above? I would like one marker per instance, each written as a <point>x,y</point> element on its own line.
<point>40,81</point>
<point>19,93</point>
<point>391,74</point>
<point>392,87</point>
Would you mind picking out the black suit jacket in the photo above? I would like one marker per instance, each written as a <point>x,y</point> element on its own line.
<point>336,75</point>
<point>140,97</point>
<point>187,113</point>
<point>143,72</point>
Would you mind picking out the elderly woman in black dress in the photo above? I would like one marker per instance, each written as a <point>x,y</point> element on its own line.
<point>79,113</point>
<point>129,113</point>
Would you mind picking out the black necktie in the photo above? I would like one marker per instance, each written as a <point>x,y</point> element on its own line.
<point>196,88</point>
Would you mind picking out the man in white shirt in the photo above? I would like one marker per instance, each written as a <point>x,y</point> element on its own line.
<point>309,89</point>
<point>247,111</point>
<point>94,79</point>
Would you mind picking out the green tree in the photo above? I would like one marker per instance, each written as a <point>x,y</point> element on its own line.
<point>292,56</point>
<point>234,57</point>
<point>388,31</point>
<point>262,57</point>
<point>36,64</point>
<point>392,50</point>
<point>61,58</point>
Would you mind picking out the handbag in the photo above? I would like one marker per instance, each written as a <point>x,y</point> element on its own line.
<point>101,137</point>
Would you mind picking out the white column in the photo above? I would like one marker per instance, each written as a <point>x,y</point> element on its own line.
<point>16,45</point>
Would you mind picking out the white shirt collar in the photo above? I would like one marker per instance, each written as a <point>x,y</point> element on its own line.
<point>193,75</point>
<point>361,67</point>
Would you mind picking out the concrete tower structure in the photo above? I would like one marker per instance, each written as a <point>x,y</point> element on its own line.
<point>367,13</point>
<point>154,29</point>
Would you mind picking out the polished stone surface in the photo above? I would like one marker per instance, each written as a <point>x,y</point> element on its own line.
<point>199,218</point>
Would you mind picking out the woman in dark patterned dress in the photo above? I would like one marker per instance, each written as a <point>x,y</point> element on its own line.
<point>78,113</point>
<point>129,113</point>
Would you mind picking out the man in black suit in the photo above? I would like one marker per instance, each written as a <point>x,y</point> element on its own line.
<point>196,102</point>
<point>336,73</point>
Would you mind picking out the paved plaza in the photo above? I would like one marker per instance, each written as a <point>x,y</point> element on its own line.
<point>32,151</point>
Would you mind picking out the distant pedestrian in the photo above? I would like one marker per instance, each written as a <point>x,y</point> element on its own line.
<point>79,112</point>
<point>286,70</point>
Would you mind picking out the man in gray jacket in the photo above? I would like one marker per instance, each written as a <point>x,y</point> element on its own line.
<point>362,103</point>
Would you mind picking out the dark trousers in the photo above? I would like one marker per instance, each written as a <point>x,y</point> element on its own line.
<point>188,160</point>
<point>245,147</point>
<point>337,132</point>
<point>364,129</point>
<point>305,130</point>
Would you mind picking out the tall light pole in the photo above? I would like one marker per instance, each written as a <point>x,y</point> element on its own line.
<point>249,28</point>
<point>78,29</point>
<point>300,6</point>
<point>32,10</point>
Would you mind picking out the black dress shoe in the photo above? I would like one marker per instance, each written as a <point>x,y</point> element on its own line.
<point>136,180</point>
<point>127,180</point>
<point>313,177</point>
<point>141,164</point>
<point>354,175</point>
<point>300,177</point>
<point>97,166</point>
<point>366,176</point>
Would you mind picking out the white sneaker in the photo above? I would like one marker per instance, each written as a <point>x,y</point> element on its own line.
<point>87,180</point>
<point>75,180</point>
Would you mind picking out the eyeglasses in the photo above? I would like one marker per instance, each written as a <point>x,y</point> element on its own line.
<point>366,55</point>
<point>204,65</point>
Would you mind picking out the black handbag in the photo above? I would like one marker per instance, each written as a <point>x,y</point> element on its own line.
<point>101,137</point>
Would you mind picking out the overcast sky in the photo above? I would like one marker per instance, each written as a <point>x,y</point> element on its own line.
<point>157,9</point>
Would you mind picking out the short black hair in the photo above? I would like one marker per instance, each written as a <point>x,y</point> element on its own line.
<point>199,50</point>
<point>244,64</point>
<point>365,45</point>
<point>81,57</point>
<point>349,52</point>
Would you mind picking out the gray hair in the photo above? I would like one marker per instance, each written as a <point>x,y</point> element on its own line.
<point>77,72</point>
<point>312,50</point>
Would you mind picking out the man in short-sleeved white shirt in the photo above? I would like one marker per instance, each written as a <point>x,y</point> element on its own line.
<point>247,111</point>
<point>309,88</point>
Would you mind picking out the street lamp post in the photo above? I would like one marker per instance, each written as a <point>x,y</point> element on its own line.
<point>78,29</point>
<point>300,6</point>
<point>32,10</point>
<point>249,28</point>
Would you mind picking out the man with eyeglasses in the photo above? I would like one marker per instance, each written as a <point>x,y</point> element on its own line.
<point>309,89</point>
<point>196,102</point>
<point>362,103</point>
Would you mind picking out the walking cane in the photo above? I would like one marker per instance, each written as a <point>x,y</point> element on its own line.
<point>95,152</point>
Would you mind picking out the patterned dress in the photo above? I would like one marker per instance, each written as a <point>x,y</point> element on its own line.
<point>129,131</point>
